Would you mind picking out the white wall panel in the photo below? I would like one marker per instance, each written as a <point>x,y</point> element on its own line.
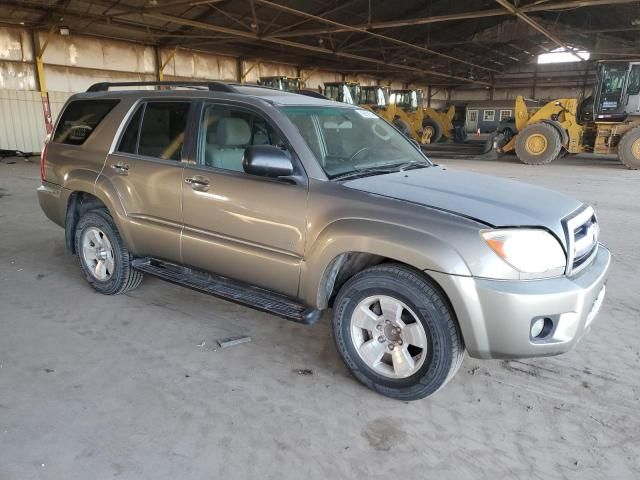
<point>198,66</point>
<point>15,44</point>
<point>21,120</point>
<point>17,75</point>
<point>98,54</point>
<point>316,78</point>
<point>256,69</point>
<point>65,79</point>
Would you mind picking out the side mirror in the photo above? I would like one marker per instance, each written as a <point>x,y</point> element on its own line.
<point>267,161</point>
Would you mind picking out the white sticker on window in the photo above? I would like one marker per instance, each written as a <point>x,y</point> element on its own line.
<point>366,113</point>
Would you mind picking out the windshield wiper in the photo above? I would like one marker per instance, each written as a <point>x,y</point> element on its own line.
<point>364,172</point>
<point>412,165</point>
<point>381,170</point>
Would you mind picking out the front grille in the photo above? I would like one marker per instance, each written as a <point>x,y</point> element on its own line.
<point>582,232</point>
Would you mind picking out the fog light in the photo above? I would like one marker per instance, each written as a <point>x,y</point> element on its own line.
<point>536,327</point>
<point>541,328</point>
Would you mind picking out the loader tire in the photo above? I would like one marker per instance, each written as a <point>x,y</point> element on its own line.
<point>436,130</point>
<point>629,149</point>
<point>538,144</point>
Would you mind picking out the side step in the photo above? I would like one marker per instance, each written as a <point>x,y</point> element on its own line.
<point>228,289</point>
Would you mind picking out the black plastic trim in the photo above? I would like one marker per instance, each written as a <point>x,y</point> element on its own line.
<point>226,288</point>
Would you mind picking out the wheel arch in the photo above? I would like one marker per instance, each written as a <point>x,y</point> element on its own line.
<point>85,197</point>
<point>346,248</point>
<point>564,136</point>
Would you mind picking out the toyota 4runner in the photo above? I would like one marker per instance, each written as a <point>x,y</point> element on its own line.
<point>293,205</point>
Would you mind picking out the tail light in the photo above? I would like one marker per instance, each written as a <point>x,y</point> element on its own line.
<point>43,156</point>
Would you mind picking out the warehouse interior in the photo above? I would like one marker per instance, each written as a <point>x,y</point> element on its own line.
<point>135,386</point>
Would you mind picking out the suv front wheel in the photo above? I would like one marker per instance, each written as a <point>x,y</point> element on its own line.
<point>396,332</point>
<point>104,259</point>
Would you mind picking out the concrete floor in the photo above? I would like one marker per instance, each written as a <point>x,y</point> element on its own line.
<point>134,387</point>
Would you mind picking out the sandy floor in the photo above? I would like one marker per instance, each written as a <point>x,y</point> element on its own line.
<point>134,387</point>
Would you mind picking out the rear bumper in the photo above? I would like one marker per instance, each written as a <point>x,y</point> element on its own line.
<point>53,200</point>
<point>495,316</point>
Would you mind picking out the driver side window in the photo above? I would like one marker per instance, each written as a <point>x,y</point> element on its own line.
<point>226,132</point>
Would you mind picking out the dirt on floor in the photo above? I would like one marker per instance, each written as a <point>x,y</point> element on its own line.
<point>136,387</point>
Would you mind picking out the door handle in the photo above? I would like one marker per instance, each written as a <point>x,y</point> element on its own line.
<point>198,183</point>
<point>120,168</point>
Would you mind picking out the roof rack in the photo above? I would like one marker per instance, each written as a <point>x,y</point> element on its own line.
<point>211,86</point>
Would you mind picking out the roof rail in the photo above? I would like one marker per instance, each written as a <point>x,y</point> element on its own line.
<point>211,86</point>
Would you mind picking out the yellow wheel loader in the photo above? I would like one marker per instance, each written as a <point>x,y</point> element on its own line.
<point>287,84</point>
<point>608,122</point>
<point>345,92</point>
<point>427,125</point>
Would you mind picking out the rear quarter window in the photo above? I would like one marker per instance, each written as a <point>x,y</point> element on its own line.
<point>79,120</point>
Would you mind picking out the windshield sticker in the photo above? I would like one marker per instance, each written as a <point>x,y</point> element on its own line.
<point>366,114</point>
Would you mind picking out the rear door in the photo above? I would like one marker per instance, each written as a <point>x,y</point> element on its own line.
<point>238,225</point>
<point>146,170</point>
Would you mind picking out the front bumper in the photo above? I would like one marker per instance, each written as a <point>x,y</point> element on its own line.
<point>495,316</point>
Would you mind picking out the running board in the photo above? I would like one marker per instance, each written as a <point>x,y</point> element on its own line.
<point>228,289</point>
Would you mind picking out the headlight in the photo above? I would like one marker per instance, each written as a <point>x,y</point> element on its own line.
<point>530,251</point>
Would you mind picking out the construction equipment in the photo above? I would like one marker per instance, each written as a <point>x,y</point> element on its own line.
<point>375,98</point>
<point>281,82</point>
<point>608,122</point>
<point>427,123</point>
<point>346,92</point>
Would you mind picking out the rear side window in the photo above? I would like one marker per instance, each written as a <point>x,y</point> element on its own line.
<point>162,130</point>
<point>129,142</point>
<point>80,119</point>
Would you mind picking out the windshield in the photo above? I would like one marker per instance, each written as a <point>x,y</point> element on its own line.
<point>407,98</point>
<point>373,96</point>
<point>348,140</point>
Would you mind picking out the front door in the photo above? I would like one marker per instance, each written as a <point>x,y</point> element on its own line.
<point>633,90</point>
<point>146,171</point>
<point>242,226</point>
<point>472,121</point>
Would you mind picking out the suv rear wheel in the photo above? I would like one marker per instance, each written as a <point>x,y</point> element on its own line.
<point>396,332</point>
<point>104,259</point>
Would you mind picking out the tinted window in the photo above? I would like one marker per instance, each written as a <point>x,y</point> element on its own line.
<point>162,131</point>
<point>129,142</point>
<point>80,119</point>
<point>226,132</point>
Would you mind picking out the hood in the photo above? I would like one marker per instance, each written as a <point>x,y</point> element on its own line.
<point>494,201</point>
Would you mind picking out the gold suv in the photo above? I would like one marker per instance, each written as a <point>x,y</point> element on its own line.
<point>292,205</point>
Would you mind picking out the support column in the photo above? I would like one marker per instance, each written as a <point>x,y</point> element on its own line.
<point>239,67</point>
<point>162,65</point>
<point>535,81</point>
<point>38,51</point>
<point>429,96</point>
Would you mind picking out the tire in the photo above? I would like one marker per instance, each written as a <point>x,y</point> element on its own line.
<point>538,144</point>
<point>435,127</point>
<point>403,126</point>
<point>421,303</point>
<point>629,149</point>
<point>95,232</point>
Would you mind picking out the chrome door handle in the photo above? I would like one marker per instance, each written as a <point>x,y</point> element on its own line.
<point>121,168</point>
<point>198,183</point>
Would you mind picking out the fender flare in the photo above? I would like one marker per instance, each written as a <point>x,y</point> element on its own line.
<point>564,136</point>
<point>415,248</point>
<point>106,193</point>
